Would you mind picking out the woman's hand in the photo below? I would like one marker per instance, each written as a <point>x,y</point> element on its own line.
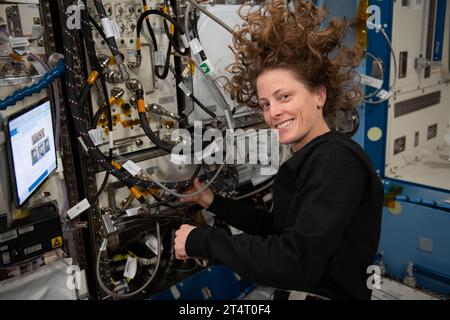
<point>204,198</point>
<point>180,241</point>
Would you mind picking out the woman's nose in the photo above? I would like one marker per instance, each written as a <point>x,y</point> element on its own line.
<point>275,110</point>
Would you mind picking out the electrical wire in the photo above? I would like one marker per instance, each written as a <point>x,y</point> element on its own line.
<point>81,126</point>
<point>380,66</point>
<point>111,42</point>
<point>214,89</point>
<point>149,27</point>
<point>141,18</point>
<point>128,295</point>
<point>90,46</point>
<point>97,27</point>
<point>394,58</point>
<point>264,187</point>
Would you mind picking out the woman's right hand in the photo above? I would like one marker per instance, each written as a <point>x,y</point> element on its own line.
<point>204,198</point>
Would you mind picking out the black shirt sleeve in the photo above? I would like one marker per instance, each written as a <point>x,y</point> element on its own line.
<point>242,215</point>
<point>323,204</point>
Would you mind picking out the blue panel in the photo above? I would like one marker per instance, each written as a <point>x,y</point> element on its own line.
<point>220,281</point>
<point>414,190</point>
<point>376,115</point>
<point>439,30</point>
<point>400,242</point>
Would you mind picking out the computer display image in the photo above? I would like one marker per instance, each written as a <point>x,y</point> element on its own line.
<point>31,149</point>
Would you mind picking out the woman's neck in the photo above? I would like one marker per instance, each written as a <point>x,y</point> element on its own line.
<point>316,131</point>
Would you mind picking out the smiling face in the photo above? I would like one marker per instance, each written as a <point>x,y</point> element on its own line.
<point>289,106</point>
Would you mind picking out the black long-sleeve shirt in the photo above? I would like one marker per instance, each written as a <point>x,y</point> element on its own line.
<point>322,233</point>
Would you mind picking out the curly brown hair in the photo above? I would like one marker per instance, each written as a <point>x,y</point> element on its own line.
<point>273,37</point>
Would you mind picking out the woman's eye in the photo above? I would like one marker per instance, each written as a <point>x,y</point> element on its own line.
<point>284,97</point>
<point>264,106</point>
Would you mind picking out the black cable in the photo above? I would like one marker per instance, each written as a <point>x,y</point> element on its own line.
<point>152,135</point>
<point>161,203</point>
<point>84,94</point>
<point>203,107</point>
<point>165,72</point>
<point>80,123</point>
<point>139,95</point>
<point>111,41</point>
<point>159,13</point>
<point>97,116</point>
<point>193,21</point>
<point>90,46</point>
<point>97,27</point>
<point>172,40</point>
<point>105,180</point>
<point>149,27</point>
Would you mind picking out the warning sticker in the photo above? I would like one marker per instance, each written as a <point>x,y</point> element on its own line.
<point>57,242</point>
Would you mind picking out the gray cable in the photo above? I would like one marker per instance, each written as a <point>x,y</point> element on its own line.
<point>211,82</point>
<point>264,187</point>
<point>128,295</point>
<point>210,15</point>
<point>395,66</point>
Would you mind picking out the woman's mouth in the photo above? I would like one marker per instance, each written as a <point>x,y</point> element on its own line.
<point>284,124</point>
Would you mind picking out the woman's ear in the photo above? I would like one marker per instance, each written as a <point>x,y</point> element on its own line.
<point>321,97</point>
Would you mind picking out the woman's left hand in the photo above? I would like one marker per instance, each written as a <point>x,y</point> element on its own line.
<point>180,241</point>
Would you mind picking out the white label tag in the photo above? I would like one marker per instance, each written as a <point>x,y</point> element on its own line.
<point>25,230</point>
<point>183,87</point>
<point>6,258</point>
<point>152,243</point>
<point>37,31</point>
<point>383,94</point>
<point>132,168</point>
<point>185,41</point>
<point>178,159</point>
<point>195,46</point>
<point>8,236</point>
<point>115,28</point>
<point>103,245</point>
<point>267,197</point>
<point>18,42</point>
<point>268,171</point>
<point>371,81</point>
<point>160,58</point>
<point>32,249</point>
<point>132,212</point>
<point>107,28</point>
<point>78,209</point>
<point>82,144</point>
<point>130,268</point>
<point>418,4</point>
<point>175,292</point>
<point>96,136</point>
